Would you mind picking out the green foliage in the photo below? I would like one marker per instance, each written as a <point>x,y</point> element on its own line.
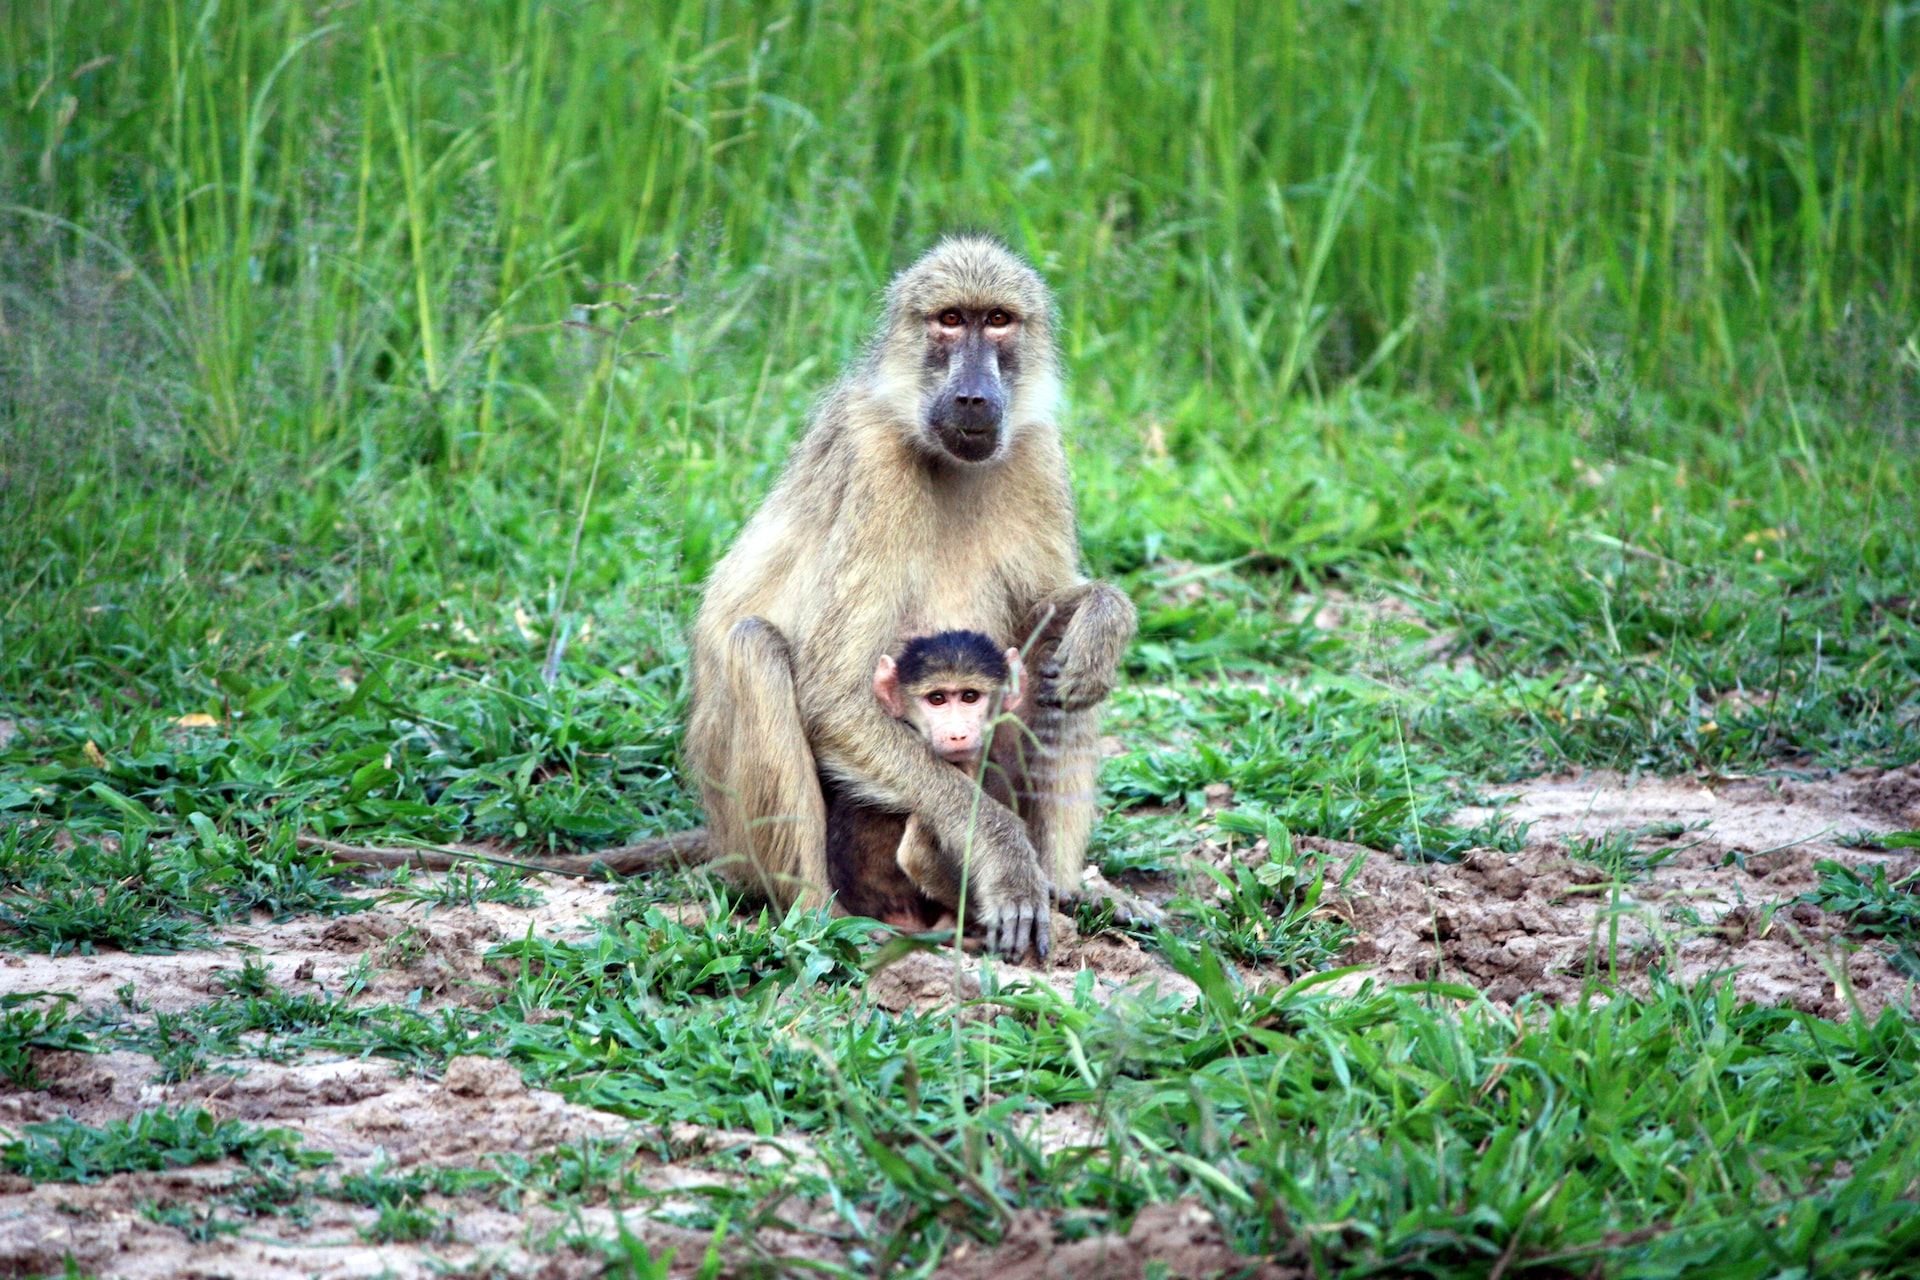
<point>142,895</point>
<point>590,1171</point>
<point>277,1025</point>
<point>464,886</point>
<point>628,1257</point>
<point>666,1018</point>
<point>65,1150</point>
<point>1268,913</point>
<point>1496,201</point>
<point>1875,907</point>
<point>399,1199</point>
<point>1618,852</point>
<point>199,1223</point>
<point>1324,761</point>
<point>32,1020</point>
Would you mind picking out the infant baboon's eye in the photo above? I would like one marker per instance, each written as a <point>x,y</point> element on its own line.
<point>970,695</point>
<point>936,699</point>
<point>998,319</point>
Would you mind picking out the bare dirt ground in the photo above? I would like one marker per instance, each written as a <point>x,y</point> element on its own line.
<point>365,1112</point>
<point>1728,855</point>
<point>369,1112</point>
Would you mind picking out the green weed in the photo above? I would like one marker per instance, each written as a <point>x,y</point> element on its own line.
<point>398,1198</point>
<point>589,1172</point>
<point>137,894</point>
<point>464,886</point>
<point>1268,913</point>
<point>32,1020</point>
<point>65,1150</point>
<point>1875,907</point>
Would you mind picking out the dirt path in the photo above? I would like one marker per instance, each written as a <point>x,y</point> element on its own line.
<point>1728,857</point>
<point>371,1113</point>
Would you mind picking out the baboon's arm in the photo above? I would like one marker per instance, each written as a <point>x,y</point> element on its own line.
<point>1100,622</point>
<point>884,762</point>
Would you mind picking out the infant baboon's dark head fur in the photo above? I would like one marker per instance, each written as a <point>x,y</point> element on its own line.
<point>954,652</point>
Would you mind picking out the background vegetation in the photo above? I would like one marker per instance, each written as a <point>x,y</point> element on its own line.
<point>1577,345</point>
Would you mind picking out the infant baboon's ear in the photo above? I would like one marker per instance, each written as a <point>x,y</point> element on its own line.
<point>886,687</point>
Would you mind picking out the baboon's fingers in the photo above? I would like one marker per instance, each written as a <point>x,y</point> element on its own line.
<point>1003,928</point>
<point>1138,911</point>
<point>1014,930</point>
<point>1057,689</point>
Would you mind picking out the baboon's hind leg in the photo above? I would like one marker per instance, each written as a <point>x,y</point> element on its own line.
<point>757,774</point>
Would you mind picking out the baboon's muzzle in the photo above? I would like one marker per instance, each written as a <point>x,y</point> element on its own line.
<point>966,415</point>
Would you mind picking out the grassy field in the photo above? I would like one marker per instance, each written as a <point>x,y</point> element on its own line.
<point>1463,393</point>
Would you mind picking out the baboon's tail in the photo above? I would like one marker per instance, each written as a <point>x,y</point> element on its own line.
<point>681,849</point>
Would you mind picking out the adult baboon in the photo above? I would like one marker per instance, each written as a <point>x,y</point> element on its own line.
<point>930,493</point>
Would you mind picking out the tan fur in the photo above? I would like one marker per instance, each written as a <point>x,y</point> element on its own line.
<point>874,534</point>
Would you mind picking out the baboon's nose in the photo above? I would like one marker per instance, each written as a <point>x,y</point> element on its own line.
<point>967,414</point>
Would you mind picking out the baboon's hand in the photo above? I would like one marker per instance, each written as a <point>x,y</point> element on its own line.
<point>1128,908</point>
<point>1069,685</point>
<point>1080,672</point>
<point>1017,912</point>
<point>1014,896</point>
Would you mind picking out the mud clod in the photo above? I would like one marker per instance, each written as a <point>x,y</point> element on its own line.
<point>473,1077</point>
<point>921,982</point>
<point>1179,1238</point>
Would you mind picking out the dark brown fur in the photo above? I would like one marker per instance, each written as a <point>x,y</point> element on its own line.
<point>866,855</point>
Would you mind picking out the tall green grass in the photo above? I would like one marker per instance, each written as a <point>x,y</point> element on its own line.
<point>356,227</point>
<point>298,445</point>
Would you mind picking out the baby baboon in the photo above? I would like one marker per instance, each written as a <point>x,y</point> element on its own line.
<point>947,686</point>
<point>930,491</point>
<point>950,688</point>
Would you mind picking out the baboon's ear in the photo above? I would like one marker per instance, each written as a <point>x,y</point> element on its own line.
<point>886,687</point>
<point>1015,698</point>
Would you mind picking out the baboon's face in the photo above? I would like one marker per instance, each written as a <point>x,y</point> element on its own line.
<point>972,360</point>
<point>966,357</point>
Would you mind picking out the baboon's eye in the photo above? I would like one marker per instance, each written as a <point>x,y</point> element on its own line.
<point>951,319</point>
<point>969,696</point>
<point>998,319</point>
<point>936,699</point>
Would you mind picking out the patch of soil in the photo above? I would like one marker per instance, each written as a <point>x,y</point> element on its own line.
<point>365,1112</point>
<point>101,1227</point>
<point>923,981</point>
<point>1728,857</point>
<point>369,1112</point>
<point>1179,1238</point>
<point>403,946</point>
